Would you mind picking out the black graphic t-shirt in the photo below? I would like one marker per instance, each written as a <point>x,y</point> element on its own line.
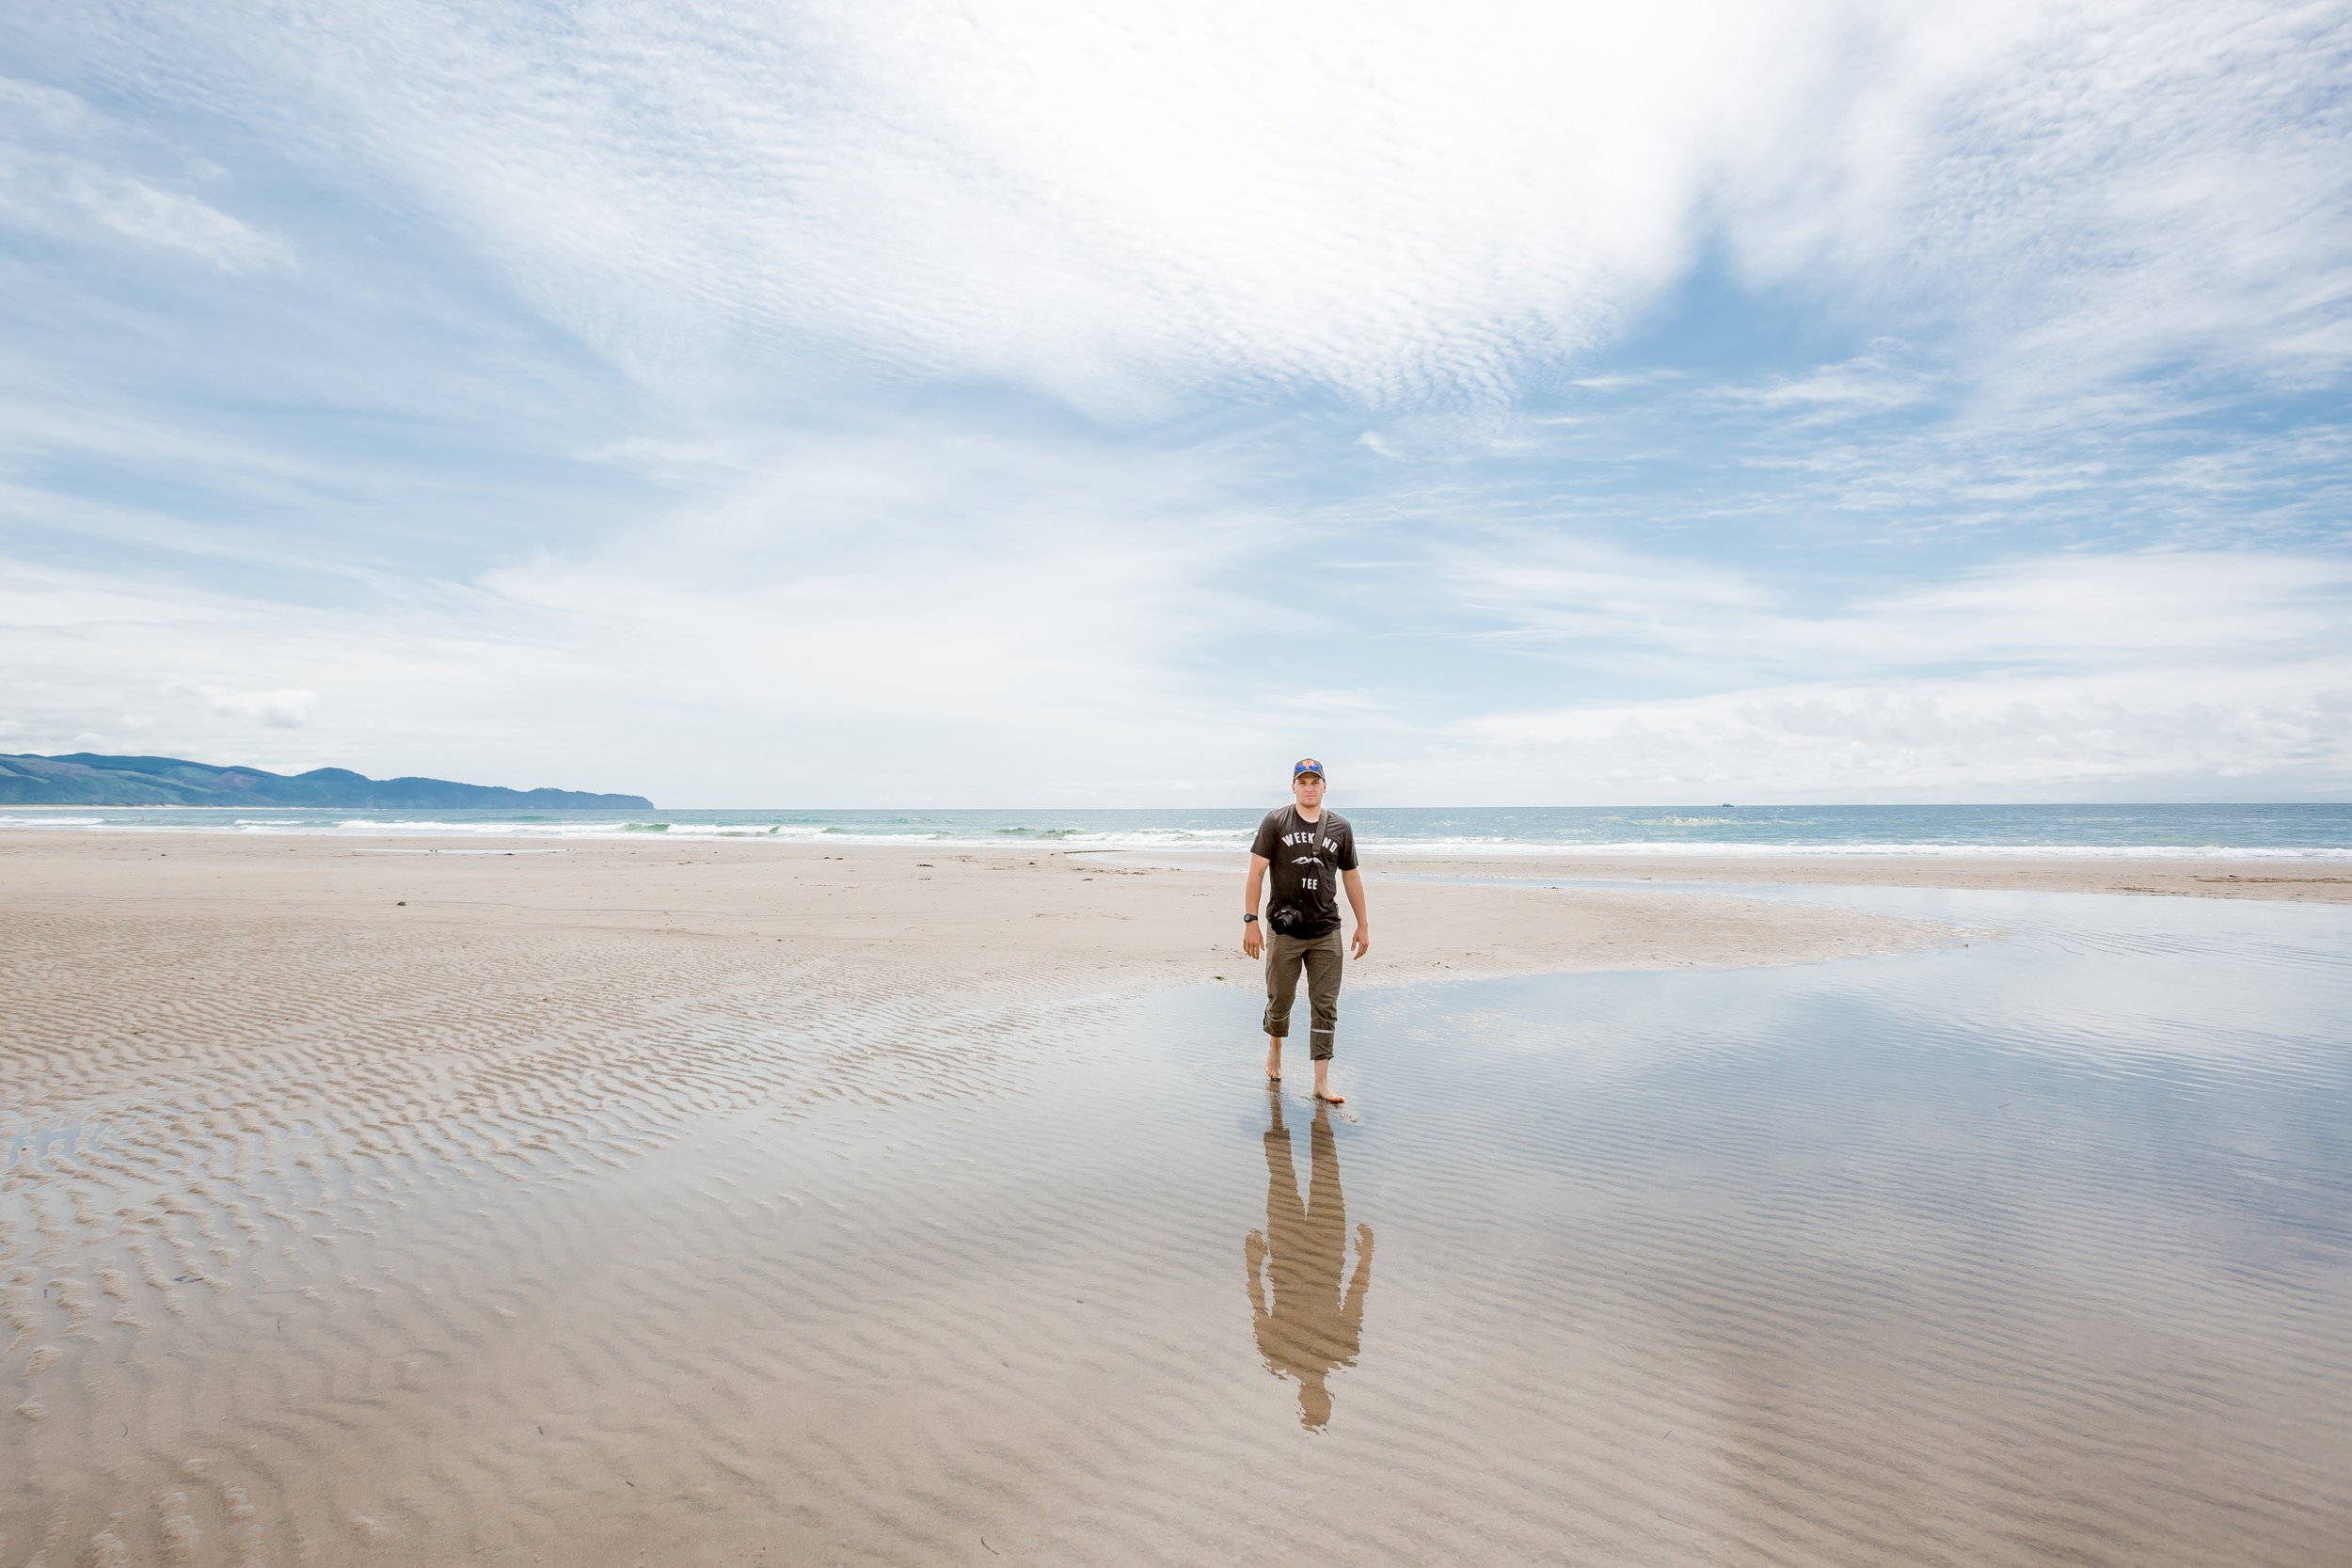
<point>1307,858</point>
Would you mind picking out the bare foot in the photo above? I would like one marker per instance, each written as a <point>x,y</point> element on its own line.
<point>1325,1092</point>
<point>1273,1061</point>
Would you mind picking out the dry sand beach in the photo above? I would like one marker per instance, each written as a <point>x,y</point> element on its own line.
<point>745,1203</point>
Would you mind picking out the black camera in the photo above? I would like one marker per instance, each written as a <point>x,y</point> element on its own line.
<point>1286,918</point>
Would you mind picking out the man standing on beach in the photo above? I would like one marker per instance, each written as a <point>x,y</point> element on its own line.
<point>1309,849</point>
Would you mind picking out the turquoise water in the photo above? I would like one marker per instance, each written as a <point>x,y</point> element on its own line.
<point>2317,831</point>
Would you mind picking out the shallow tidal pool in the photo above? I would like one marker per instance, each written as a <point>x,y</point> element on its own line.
<point>2036,1249</point>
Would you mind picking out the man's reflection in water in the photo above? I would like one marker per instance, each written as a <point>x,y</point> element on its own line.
<point>1305,1326</point>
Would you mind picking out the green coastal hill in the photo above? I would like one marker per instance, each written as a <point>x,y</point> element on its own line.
<point>83,779</point>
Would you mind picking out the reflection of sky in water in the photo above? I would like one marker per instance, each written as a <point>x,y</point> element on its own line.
<point>2032,1250</point>
<point>2063,1216</point>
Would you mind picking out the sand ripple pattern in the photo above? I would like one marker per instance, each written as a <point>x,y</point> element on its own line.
<point>2004,1255</point>
<point>225,1187</point>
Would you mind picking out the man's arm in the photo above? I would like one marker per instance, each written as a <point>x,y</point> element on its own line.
<point>1352,1310</point>
<point>1252,939</point>
<point>1355,885</point>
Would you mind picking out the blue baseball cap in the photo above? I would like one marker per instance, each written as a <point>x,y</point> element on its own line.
<point>1305,766</point>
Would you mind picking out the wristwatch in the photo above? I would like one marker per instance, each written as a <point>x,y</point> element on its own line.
<point>1249,920</point>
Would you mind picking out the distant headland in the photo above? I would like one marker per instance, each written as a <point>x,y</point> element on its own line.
<point>83,779</point>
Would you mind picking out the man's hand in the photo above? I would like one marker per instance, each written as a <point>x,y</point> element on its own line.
<point>1355,885</point>
<point>1253,934</point>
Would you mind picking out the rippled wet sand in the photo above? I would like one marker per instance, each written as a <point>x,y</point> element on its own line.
<point>2012,1253</point>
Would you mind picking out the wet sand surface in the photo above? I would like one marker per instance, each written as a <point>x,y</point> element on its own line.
<point>2290,880</point>
<point>542,1236</point>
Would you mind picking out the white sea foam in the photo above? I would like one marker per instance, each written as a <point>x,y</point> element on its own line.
<point>1750,836</point>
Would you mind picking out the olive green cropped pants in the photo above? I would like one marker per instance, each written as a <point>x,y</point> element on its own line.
<point>1320,958</point>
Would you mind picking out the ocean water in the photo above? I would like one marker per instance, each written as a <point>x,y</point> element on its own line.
<point>2293,831</point>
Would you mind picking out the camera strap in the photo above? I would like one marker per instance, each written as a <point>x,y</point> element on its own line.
<point>1276,917</point>
<point>1315,831</point>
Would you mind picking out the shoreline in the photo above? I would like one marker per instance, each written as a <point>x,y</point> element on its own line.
<point>1553,857</point>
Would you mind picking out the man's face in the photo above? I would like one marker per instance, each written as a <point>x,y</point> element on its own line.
<point>1306,788</point>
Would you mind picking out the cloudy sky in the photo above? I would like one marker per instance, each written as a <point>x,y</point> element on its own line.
<point>1021,404</point>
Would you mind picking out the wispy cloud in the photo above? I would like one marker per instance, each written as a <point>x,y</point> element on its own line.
<point>918,612</point>
<point>2243,731</point>
<point>288,709</point>
<point>1867,383</point>
<point>988,677</point>
<point>1154,202</point>
<point>62,174</point>
<point>1021,403</point>
<point>2087,613</point>
<point>2084,676</point>
<point>2084,190</point>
